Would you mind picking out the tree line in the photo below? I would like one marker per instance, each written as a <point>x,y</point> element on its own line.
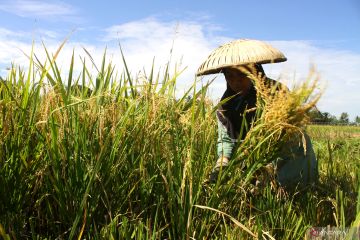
<point>316,116</point>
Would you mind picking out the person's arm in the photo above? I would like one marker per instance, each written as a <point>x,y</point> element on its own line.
<point>225,145</point>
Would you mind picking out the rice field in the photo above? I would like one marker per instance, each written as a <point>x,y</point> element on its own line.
<point>115,159</point>
<point>335,132</point>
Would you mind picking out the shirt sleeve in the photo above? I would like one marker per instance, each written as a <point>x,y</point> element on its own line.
<point>225,144</point>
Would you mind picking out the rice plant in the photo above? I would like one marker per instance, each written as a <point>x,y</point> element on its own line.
<point>103,156</point>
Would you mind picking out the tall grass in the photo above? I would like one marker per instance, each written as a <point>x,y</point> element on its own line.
<point>129,161</point>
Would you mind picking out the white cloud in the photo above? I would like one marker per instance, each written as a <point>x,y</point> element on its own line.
<point>193,41</point>
<point>148,38</point>
<point>8,33</point>
<point>39,9</point>
<point>15,47</point>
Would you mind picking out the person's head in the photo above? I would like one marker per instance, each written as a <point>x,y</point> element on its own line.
<point>238,78</point>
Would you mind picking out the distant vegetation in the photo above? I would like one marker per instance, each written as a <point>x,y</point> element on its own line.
<point>319,117</point>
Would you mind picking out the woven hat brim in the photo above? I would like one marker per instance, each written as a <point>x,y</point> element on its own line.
<point>238,53</point>
<point>220,68</point>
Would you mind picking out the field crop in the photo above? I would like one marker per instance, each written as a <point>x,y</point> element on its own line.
<point>116,159</point>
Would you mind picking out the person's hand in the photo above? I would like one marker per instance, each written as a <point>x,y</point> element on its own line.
<point>221,162</point>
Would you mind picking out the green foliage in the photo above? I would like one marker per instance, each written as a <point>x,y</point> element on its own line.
<point>357,119</point>
<point>119,160</point>
<point>317,116</point>
<point>344,118</point>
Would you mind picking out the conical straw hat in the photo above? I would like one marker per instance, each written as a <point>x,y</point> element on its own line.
<point>240,52</point>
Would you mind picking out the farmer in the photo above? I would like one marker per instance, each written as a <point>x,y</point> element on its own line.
<point>295,169</point>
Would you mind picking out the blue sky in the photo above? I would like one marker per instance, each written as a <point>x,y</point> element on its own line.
<point>325,33</point>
